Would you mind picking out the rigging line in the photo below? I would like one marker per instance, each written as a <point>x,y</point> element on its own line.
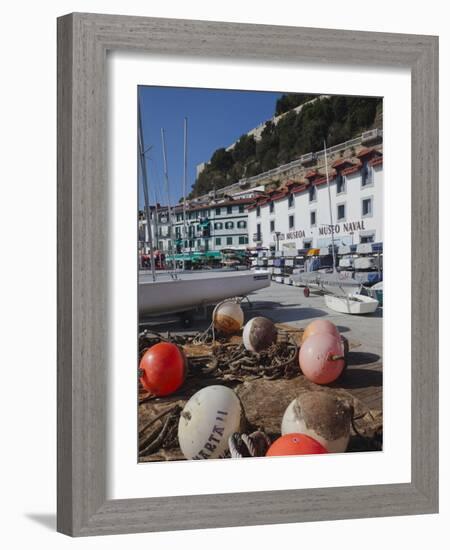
<point>156,178</point>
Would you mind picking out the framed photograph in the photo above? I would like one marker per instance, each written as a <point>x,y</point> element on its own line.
<point>247,274</point>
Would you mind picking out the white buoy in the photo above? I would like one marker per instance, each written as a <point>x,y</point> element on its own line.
<point>228,317</point>
<point>207,421</point>
<point>322,416</point>
<point>259,334</point>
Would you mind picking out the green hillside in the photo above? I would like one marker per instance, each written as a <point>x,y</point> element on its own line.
<point>335,119</point>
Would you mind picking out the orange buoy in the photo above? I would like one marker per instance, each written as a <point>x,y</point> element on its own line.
<point>163,368</point>
<point>295,444</point>
<point>321,358</point>
<point>318,327</point>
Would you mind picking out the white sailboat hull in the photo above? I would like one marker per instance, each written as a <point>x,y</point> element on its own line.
<point>190,290</point>
<point>353,304</point>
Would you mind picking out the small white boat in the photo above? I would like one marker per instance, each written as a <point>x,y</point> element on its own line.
<point>354,304</point>
<point>376,291</point>
<point>195,289</point>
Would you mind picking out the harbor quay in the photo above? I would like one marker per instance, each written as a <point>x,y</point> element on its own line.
<point>287,306</point>
<point>261,301</point>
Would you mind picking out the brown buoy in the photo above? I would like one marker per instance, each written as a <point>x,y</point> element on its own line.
<point>321,415</point>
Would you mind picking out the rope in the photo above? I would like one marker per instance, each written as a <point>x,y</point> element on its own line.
<point>233,361</point>
<point>162,437</point>
<point>245,446</point>
<point>374,442</point>
<point>203,337</point>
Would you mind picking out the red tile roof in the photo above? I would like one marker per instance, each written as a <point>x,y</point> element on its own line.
<point>340,163</point>
<point>301,187</point>
<point>376,161</point>
<point>207,206</point>
<point>312,174</point>
<point>290,183</point>
<point>351,169</point>
<point>368,151</point>
<point>316,178</point>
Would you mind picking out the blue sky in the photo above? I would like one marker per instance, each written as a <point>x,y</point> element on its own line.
<point>216,118</point>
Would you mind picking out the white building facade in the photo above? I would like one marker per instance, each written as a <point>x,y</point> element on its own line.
<point>212,226</point>
<point>298,216</point>
<point>161,229</point>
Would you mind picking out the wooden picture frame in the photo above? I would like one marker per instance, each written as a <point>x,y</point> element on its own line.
<point>83,42</point>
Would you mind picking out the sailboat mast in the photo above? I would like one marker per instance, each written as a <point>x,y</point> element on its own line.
<point>155,213</point>
<point>145,189</point>
<point>329,202</point>
<point>166,179</point>
<point>185,178</point>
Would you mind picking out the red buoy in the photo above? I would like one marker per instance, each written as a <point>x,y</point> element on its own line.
<point>295,444</point>
<point>163,368</point>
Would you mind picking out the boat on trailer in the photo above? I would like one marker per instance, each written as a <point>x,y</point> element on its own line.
<point>176,293</point>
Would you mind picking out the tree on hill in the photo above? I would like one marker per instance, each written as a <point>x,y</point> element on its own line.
<point>335,119</point>
<point>289,101</point>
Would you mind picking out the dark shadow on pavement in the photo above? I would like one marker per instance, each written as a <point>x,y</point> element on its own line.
<point>361,358</point>
<point>342,329</point>
<point>288,314</point>
<point>360,378</point>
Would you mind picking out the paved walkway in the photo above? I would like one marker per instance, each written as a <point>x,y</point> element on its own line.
<point>287,304</point>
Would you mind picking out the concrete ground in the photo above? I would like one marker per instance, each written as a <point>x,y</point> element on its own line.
<point>364,376</point>
<point>287,304</point>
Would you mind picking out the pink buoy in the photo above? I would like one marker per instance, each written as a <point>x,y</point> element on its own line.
<point>318,327</point>
<point>321,358</point>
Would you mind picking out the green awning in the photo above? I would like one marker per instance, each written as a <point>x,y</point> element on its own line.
<point>197,256</point>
